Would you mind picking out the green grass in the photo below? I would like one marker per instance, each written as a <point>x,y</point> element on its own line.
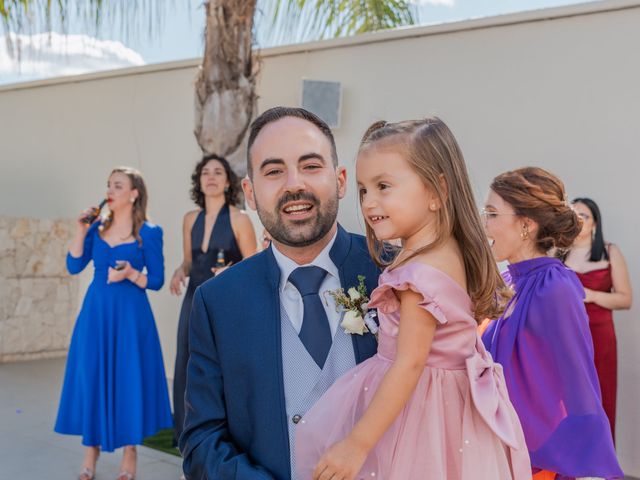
<point>163,441</point>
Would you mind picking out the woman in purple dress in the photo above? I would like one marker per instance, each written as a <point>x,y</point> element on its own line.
<point>543,339</point>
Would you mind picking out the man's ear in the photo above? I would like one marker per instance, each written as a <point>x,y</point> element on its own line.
<point>247,188</point>
<point>341,174</point>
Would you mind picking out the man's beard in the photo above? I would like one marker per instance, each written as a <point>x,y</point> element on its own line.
<point>300,233</point>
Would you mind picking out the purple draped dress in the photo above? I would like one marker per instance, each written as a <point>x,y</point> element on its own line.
<point>545,348</point>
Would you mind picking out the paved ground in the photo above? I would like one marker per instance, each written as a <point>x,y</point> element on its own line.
<point>30,450</point>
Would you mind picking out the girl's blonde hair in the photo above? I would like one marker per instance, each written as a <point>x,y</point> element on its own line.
<point>434,154</point>
<point>139,212</point>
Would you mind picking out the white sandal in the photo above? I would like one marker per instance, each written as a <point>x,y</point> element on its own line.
<point>87,474</point>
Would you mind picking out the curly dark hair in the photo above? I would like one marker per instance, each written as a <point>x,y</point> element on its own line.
<point>231,195</point>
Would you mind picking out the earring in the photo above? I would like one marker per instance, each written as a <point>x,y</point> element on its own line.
<point>132,200</point>
<point>226,189</point>
<point>593,234</point>
<point>525,232</point>
<point>433,207</point>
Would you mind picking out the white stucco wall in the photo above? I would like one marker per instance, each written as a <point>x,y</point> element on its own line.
<point>555,88</point>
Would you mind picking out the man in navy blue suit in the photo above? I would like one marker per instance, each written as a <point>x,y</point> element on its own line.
<point>265,339</point>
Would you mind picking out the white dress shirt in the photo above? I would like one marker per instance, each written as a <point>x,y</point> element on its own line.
<point>290,297</point>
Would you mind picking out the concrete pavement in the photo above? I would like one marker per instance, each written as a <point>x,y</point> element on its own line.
<point>29,449</point>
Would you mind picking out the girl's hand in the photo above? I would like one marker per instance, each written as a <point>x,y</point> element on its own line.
<point>179,279</point>
<point>342,461</point>
<point>589,295</point>
<point>219,270</point>
<point>123,270</point>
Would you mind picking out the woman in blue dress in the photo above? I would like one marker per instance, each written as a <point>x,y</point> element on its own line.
<point>115,390</point>
<point>217,233</point>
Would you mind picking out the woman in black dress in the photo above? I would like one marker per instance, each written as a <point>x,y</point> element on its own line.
<point>215,236</point>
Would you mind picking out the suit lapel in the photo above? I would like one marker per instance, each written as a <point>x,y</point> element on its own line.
<point>273,362</point>
<point>349,271</point>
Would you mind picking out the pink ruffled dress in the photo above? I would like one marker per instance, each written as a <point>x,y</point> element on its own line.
<point>459,423</point>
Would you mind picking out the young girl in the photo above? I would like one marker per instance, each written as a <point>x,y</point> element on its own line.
<point>431,403</point>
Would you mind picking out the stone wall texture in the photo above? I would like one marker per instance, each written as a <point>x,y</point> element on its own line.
<point>38,298</point>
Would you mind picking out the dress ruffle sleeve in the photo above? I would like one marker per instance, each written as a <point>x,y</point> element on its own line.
<point>384,298</point>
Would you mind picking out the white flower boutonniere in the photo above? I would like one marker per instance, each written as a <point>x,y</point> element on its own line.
<point>358,319</point>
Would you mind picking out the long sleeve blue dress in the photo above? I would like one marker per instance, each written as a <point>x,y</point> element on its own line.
<point>115,388</point>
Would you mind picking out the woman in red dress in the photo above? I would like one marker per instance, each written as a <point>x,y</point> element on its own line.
<point>603,272</point>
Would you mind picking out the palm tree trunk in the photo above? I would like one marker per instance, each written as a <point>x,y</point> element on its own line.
<point>225,86</point>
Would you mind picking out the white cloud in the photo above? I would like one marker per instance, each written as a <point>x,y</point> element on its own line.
<point>52,55</point>
<point>446,3</point>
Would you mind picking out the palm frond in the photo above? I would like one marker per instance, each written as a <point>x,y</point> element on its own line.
<point>305,20</point>
<point>38,16</point>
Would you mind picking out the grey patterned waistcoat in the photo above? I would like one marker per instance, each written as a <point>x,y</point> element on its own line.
<point>304,382</point>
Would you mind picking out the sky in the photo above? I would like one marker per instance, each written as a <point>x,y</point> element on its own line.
<point>177,35</point>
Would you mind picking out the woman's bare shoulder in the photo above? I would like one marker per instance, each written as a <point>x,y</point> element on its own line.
<point>190,217</point>
<point>237,214</point>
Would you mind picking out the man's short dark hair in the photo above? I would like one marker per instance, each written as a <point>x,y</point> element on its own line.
<point>276,113</point>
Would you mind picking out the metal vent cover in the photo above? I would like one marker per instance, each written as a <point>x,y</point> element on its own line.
<point>323,98</point>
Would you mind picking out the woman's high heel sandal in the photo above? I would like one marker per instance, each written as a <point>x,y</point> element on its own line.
<point>87,474</point>
<point>125,475</point>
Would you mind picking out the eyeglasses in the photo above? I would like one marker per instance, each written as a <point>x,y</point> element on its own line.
<point>584,216</point>
<point>490,215</point>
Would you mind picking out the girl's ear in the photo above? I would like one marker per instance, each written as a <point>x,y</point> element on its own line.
<point>444,187</point>
<point>435,203</point>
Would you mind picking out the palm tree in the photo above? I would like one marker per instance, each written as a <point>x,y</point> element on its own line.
<point>225,85</point>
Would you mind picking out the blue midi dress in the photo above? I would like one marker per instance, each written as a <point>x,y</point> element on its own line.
<point>115,388</point>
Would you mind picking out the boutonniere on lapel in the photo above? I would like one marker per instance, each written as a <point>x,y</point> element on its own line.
<point>357,318</point>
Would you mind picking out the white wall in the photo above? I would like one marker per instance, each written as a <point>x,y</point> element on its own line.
<point>555,88</point>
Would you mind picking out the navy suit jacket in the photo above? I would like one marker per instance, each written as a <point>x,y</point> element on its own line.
<point>236,423</point>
